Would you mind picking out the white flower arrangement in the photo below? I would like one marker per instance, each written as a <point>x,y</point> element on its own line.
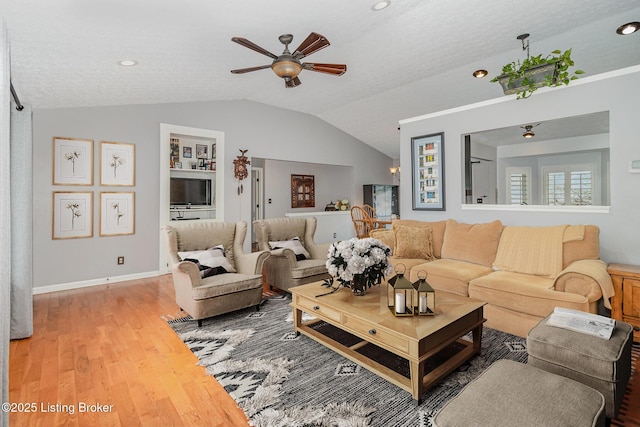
<point>360,258</point>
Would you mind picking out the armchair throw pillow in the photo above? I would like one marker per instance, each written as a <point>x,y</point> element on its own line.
<point>294,244</point>
<point>210,262</point>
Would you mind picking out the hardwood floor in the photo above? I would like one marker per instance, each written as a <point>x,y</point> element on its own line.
<point>109,345</point>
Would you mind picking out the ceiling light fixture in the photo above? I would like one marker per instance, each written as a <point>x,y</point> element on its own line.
<point>478,74</point>
<point>628,28</point>
<point>128,63</point>
<point>528,132</point>
<point>383,4</point>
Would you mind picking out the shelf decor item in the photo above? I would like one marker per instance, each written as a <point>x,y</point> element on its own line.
<point>425,304</point>
<point>523,78</point>
<point>359,264</point>
<point>117,164</point>
<point>72,161</point>
<point>400,294</point>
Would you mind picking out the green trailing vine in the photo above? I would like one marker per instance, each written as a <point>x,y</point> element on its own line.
<point>517,70</point>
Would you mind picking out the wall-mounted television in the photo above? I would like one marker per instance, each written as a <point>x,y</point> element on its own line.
<point>190,191</point>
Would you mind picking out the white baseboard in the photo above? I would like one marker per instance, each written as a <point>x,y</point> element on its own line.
<point>94,282</point>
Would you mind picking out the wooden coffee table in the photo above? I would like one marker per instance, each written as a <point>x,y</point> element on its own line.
<point>369,321</point>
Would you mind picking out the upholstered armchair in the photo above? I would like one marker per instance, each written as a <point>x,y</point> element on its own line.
<point>211,273</point>
<point>289,240</point>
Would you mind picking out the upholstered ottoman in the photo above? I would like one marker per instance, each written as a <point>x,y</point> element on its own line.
<point>604,365</point>
<point>511,393</point>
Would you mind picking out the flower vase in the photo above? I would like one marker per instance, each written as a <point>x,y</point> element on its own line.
<point>359,285</point>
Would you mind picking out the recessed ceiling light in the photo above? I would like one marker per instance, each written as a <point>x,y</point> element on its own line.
<point>628,28</point>
<point>128,62</point>
<point>478,74</point>
<point>382,4</point>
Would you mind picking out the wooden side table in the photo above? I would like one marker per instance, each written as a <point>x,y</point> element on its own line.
<point>625,305</point>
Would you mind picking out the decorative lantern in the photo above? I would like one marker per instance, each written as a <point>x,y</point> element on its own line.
<point>400,293</point>
<point>426,296</point>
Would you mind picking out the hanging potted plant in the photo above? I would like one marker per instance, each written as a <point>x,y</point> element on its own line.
<point>523,78</point>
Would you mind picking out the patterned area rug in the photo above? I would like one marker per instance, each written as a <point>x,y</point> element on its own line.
<point>280,379</point>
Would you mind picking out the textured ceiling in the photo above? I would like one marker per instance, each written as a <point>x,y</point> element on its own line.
<point>413,58</point>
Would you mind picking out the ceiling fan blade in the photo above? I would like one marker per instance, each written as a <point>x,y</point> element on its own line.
<point>313,43</point>
<point>246,43</point>
<point>335,69</point>
<point>247,70</point>
<point>292,82</point>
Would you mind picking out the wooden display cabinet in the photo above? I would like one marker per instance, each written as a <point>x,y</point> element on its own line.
<point>625,305</point>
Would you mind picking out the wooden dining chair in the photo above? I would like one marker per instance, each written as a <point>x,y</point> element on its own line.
<point>361,221</point>
<point>373,215</point>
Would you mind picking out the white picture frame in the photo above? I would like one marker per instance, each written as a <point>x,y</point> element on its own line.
<point>117,213</point>
<point>72,216</point>
<point>117,164</point>
<point>72,161</point>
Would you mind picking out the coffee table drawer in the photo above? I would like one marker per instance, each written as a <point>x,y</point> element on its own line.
<point>315,308</point>
<point>375,334</point>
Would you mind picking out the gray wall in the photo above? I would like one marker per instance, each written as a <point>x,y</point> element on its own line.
<point>619,229</point>
<point>267,132</point>
<point>331,183</point>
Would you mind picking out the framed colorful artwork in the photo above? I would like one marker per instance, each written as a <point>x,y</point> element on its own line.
<point>427,161</point>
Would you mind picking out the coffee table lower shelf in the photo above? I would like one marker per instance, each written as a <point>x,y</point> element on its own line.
<point>413,376</point>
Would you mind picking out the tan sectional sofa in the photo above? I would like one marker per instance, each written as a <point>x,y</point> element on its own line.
<point>522,273</point>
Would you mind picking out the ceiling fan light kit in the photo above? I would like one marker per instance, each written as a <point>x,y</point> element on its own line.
<point>528,131</point>
<point>287,66</point>
<point>523,78</point>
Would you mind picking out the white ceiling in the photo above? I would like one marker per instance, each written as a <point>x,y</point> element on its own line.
<point>412,58</point>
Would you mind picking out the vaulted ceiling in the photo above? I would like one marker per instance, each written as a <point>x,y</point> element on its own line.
<point>412,58</point>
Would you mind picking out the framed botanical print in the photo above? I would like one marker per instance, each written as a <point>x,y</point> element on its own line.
<point>427,161</point>
<point>303,191</point>
<point>117,213</point>
<point>72,214</point>
<point>117,164</point>
<point>72,161</point>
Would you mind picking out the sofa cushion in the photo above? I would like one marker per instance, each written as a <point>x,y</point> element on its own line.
<point>309,267</point>
<point>524,293</point>
<point>209,261</point>
<point>413,242</point>
<point>408,263</point>
<point>437,231</point>
<point>450,275</point>
<point>224,284</point>
<point>476,243</point>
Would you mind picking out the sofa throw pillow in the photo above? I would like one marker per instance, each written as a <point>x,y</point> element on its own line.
<point>210,262</point>
<point>388,237</point>
<point>294,244</point>
<point>413,242</point>
<point>476,243</point>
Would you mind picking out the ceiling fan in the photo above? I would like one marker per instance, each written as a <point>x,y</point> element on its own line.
<point>288,64</point>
